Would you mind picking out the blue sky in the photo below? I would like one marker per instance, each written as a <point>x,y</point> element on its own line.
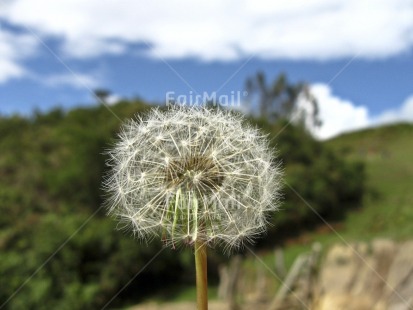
<point>356,55</point>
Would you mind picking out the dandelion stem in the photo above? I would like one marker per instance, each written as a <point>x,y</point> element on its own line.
<point>201,275</point>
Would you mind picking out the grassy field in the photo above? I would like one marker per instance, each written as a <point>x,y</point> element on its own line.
<point>388,206</point>
<point>387,210</point>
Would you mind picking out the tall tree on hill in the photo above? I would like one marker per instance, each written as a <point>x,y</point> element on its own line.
<point>101,94</point>
<point>281,99</point>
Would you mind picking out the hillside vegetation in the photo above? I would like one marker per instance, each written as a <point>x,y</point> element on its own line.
<point>60,251</point>
<point>386,210</point>
<point>388,205</point>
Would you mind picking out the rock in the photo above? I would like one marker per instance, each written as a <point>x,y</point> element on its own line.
<point>399,291</point>
<point>367,276</point>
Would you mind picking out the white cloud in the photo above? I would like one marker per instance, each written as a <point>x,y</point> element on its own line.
<point>337,114</point>
<point>78,80</point>
<point>403,113</point>
<point>9,69</point>
<point>211,30</point>
<point>113,98</point>
<point>340,115</point>
<point>14,48</point>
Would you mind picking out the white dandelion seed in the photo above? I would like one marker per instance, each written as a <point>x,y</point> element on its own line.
<point>193,174</point>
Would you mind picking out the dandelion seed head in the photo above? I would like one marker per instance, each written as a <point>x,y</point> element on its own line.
<point>190,174</point>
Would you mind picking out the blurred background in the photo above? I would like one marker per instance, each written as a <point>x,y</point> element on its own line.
<point>329,81</point>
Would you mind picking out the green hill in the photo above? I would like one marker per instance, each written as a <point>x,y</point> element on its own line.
<point>388,205</point>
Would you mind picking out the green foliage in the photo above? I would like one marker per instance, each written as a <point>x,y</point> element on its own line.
<point>387,206</point>
<point>317,180</point>
<point>51,167</point>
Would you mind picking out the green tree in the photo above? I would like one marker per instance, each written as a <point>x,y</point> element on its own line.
<point>101,94</point>
<point>278,99</point>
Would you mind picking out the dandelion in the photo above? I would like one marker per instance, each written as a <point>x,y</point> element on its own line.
<point>193,176</point>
